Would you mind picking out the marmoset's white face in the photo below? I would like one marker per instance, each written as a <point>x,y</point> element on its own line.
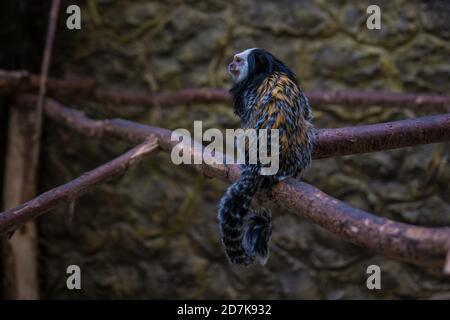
<point>238,68</point>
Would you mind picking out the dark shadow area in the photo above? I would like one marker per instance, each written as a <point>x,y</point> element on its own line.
<point>22,31</point>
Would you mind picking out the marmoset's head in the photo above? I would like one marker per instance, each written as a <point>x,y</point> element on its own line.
<point>254,65</point>
<point>238,68</point>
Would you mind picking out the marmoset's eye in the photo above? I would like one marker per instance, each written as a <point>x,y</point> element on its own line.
<point>238,59</point>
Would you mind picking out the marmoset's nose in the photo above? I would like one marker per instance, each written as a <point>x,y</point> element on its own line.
<point>232,67</point>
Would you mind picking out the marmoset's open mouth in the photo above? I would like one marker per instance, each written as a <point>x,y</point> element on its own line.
<point>234,72</point>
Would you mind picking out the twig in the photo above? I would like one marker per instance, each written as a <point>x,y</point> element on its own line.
<point>12,219</point>
<point>379,98</point>
<point>53,21</point>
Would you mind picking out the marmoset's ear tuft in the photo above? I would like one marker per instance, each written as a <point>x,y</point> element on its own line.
<point>260,62</point>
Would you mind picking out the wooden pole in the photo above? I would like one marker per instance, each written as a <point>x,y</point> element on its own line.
<point>20,251</point>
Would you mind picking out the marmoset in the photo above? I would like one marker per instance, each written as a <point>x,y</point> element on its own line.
<point>266,95</point>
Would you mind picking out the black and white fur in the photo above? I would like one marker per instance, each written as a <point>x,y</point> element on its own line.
<point>266,96</point>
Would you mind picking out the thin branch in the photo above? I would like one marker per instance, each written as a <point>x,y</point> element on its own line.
<point>379,98</point>
<point>421,245</point>
<point>87,87</point>
<point>46,59</point>
<point>53,21</point>
<point>23,81</point>
<point>12,219</point>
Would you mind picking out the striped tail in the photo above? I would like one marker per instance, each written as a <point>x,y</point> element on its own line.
<point>245,232</point>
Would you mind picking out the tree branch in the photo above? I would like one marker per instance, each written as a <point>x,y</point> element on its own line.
<point>43,79</point>
<point>12,219</point>
<point>421,245</point>
<point>328,142</point>
<point>87,87</point>
<point>52,23</point>
<point>382,136</point>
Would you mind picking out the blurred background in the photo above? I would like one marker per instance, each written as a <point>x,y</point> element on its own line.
<point>152,233</point>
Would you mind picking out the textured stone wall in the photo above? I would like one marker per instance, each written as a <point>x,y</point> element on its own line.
<point>153,233</point>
